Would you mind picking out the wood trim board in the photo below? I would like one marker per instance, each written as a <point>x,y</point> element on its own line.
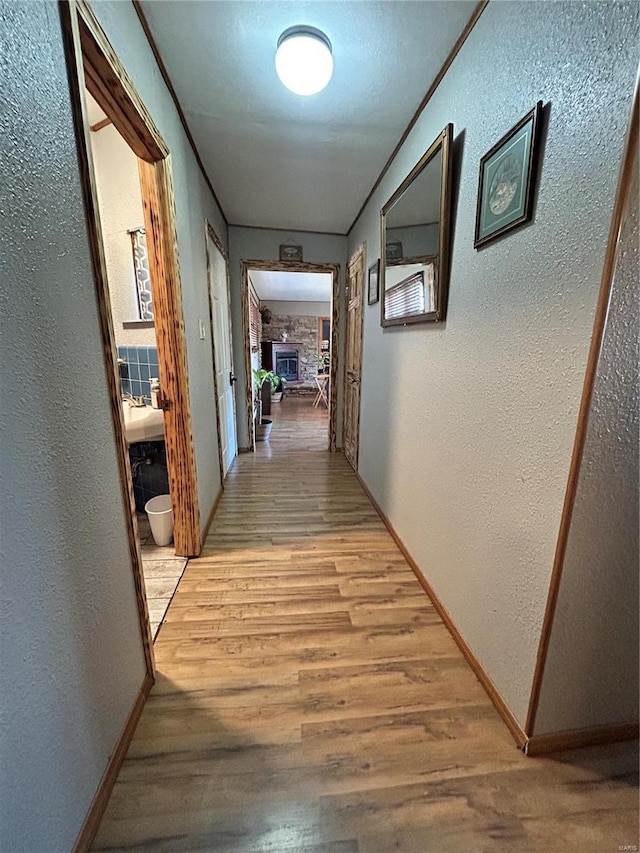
<point>335,358</point>
<point>483,677</point>
<point>544,744</point>
<point>211,231</point>
<point>207,526</point>
<point>356,262</point>
<point>162,246</point>
<point>246,348</point>
<point>599,325</point>
<point>109,83</point>
<point>101,798</point>
<point>292,266</point>
<point>100,124</point>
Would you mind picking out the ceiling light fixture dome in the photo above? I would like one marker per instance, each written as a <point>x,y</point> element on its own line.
<point>304,61</point>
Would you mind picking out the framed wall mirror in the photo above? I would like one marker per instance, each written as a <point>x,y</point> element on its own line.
<point>415,237</point>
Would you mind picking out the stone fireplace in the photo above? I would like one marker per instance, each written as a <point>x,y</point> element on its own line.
<point>297,358</point>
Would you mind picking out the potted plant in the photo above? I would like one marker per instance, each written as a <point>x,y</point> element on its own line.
<point>263,425</point>
<point>277,388</point>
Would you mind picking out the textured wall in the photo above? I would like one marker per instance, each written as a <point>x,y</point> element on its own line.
<point>591,675</point>
<point>467,427</point>
<point>116,170</point>
<point>70,646</point>
<point>193,204</point>
<point>258,244</point>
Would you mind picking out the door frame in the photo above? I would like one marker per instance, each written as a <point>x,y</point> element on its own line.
<point>358,256</point>
<point>92,63</point>
<point>209,232</point>
<point>292,266</point>
<point>100,70</point>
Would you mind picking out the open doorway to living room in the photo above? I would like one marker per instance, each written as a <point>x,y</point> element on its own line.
<point>290,343</point>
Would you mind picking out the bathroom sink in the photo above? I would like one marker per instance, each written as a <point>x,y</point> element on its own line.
<point>142,423</point>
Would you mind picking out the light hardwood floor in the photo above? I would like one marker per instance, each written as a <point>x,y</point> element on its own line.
<point>310,700</point>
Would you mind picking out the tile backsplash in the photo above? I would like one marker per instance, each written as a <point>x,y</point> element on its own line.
<point>140,366</point>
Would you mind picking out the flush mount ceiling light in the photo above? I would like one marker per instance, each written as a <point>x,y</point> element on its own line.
<point>303,60</point>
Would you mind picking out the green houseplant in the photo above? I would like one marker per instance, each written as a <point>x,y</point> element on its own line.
<point>277,383</point>
<point>263,425</point>
<point>260,376</point>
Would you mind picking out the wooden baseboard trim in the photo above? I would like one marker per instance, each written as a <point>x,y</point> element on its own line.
<point>205,532</point>
<point>99,804</point>
<point>492,691</point>
<point>543,744</point>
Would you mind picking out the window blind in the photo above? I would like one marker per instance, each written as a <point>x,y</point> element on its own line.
<point>406,297</point>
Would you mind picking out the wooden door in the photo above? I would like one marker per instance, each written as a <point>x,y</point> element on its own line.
<point>353,357</point>
<point>223,364</point>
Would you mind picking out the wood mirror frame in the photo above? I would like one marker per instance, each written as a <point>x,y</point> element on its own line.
<point>436,264</point>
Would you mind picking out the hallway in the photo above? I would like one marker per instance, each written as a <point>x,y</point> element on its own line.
<point>310,700</point>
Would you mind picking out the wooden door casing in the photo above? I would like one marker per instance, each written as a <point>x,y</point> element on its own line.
<point>291,266</point>
<point>96,66</point>
<point>353,357</point>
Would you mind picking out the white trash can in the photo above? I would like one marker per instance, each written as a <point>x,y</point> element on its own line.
<point>160,517</point>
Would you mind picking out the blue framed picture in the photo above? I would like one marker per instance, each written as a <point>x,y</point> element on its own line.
<point>507,177</point>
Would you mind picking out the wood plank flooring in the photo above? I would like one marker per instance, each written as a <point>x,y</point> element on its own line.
<point>162,570</point>
<point>310,700</point>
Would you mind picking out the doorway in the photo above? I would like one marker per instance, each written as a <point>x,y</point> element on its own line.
<point>121,212</point>
<point>353,356</point>
<point>93,65</point>
<point>290,320</point>
<point>221,349</point>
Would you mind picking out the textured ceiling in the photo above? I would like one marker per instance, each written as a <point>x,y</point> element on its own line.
<point>279,160</point>
<point>291,286</point>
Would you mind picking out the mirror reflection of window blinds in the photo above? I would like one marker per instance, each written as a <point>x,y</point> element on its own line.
<point>254,323</point>
<point>406,297</point>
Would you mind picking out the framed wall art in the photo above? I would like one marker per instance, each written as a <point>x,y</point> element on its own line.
<point>393,250</point>
<point>290,252</point>
<point>373,289</point>
<point>507,178</point>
